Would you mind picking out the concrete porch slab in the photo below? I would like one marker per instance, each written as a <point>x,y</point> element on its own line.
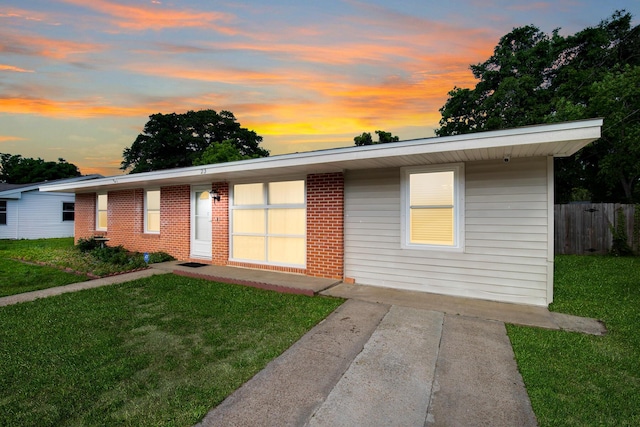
<point>263,279</point>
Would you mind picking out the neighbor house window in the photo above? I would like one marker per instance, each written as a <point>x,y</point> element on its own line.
<point>3,212</point>
<point>433,207</point>
<point>152,211</point>
<point>269,223</point>
<point>68,211</point>
<point>101,212</point>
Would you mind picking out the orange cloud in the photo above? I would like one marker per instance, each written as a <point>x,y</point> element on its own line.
<point>5,138</point>
<point>45,47</point>
<point>26,15</point>
<point>155,16</point>
<point>81,108</point>
<point>4,67</point>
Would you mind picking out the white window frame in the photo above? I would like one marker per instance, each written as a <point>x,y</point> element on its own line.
<point>146,211</point>
<point>73,211</point>
<point>98,211</point>
<point>267,206</point>
<point>458,206</point>
<point>5,211</point>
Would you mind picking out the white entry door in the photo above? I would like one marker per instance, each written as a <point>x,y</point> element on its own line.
<point>200,223</point>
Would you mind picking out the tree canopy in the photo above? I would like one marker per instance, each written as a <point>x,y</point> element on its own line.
<point>534,78</point>
<point>15,169</point>
<point>180,140</point>
<point>383,138</point>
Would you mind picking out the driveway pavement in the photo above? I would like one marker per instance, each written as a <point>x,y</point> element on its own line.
<point>384,358</point>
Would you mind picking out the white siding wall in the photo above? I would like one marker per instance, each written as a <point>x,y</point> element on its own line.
<point>505,254</point>
<point>10,230</point>
<point>37,215</point>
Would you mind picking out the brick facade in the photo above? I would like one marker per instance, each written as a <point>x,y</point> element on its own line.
<point>125,213</point>
<point>220,225</point>
<point>325,225</point>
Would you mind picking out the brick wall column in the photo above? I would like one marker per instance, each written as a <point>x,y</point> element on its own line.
<point>220,225</point>
<point>325,225</point>
<point>84,223</point>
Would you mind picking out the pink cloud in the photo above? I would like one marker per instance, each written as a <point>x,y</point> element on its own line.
<point>4,67</point>
<point>154,16</point>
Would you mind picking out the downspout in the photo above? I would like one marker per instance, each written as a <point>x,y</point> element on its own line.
<point>550,229</point>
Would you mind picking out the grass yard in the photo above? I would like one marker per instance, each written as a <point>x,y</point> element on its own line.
<point>17,277</point>
<point>21,269</point>
<point>156,351</point>
<point>582,380</point>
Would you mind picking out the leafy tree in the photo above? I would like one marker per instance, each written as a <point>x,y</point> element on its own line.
<point>534,78</point>
<point>15,169</point>
<point>178,140</point>
<point>383,138</point>
<point>222,152</point>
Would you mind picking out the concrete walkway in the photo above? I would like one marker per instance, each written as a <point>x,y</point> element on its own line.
<point>74,287</point>
<point>384,358</point>
<point>373,364</point>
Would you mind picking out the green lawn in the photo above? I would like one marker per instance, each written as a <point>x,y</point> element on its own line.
<point>21,269</point>
<point>156,351</point>
<point>17,277</point>
<point>581,380</point>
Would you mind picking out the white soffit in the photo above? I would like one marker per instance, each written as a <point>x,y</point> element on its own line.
<point>558,140</point>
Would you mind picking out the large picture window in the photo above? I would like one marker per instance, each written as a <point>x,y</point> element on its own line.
<point>268,223</point>
<point>433,207</point>
<point>152,211</point>
<point>101,212</point>
<point>3,212</point>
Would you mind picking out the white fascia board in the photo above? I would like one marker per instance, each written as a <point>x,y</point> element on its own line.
<point>586,130</point>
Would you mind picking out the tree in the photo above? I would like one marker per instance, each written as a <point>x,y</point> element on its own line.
<point>15,169</point>
<point>178,140</point>
<point>534,78</point>
<point>223,152</point>
<point>383,138</point>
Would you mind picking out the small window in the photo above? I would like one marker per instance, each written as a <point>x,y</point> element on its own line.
<point>101,212</point>
<point>152,211</point>
<point>68,211</point>
<point>3,212</point>
<point>432,207</point>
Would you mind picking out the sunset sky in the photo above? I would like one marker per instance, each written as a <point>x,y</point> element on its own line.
<point>79,78</point>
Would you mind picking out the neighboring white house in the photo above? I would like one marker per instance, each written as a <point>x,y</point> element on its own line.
<point>28,213</point>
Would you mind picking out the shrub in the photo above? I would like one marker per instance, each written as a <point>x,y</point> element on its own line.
<point>86,245</point>
<point>619,244</point>
<point>156,257</point>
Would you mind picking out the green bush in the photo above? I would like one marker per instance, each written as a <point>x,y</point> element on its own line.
<point>87,245</point>
<point>156,257</point>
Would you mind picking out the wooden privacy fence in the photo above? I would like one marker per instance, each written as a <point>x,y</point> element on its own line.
<point>584,228</point>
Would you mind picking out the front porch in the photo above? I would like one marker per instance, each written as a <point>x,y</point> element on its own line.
<point>263,279</point>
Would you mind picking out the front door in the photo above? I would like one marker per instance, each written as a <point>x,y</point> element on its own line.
<point>200,223</point>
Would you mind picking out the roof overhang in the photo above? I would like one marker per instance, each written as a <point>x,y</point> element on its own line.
<point>557,140</point>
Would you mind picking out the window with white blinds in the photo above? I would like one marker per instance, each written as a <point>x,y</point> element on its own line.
<point>152,211</point>
<point>101,212</point>
<point>432,206</point>
<point>268,223</point>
